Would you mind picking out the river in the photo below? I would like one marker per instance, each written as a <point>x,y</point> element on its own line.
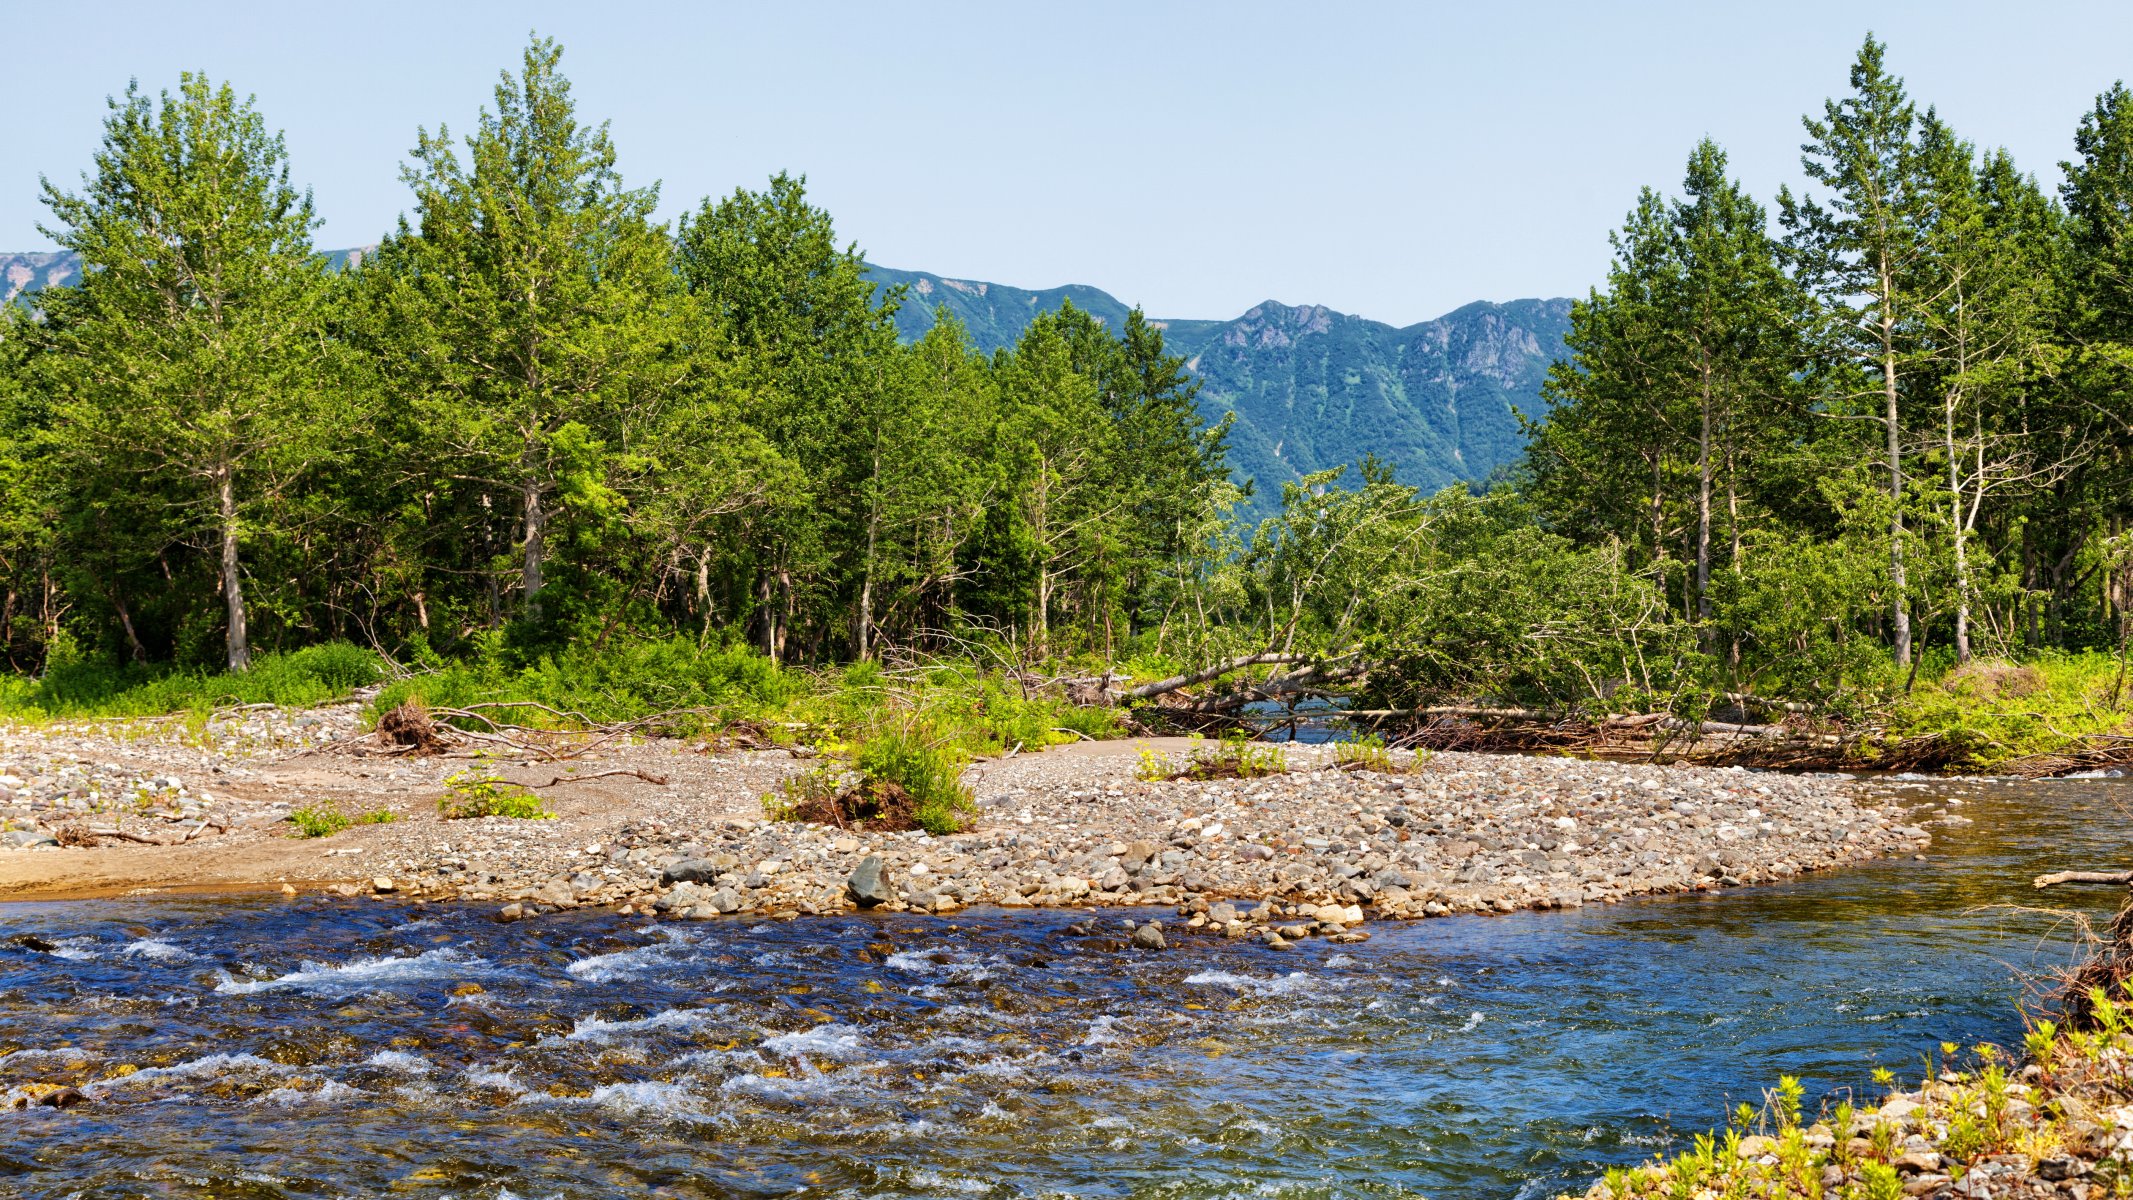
<point>331,1049</point>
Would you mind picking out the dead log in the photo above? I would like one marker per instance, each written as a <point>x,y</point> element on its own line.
<point>647,776</point>
<point>2059,877</point>
<point>1150,690</point>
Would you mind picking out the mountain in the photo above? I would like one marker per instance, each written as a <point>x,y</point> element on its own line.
<point>1311,388</point>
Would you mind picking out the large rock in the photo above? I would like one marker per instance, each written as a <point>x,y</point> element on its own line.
<point>869,883</point>
<point>691,870</point>
<point>683,898</point>
<point>1150,936</point>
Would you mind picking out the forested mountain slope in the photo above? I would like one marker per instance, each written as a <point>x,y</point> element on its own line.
<point>1312,388</point>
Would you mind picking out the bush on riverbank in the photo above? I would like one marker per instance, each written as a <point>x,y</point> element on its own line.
<point>1994,711</point>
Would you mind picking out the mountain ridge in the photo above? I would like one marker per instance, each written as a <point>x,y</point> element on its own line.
<point>1311,387</point>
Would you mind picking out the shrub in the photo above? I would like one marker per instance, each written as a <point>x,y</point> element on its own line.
<point>77,687</point>
<point>316,821</point>
<point>474,793</point>
<point>930,774</point>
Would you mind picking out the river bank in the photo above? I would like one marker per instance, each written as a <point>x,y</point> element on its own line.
<point>678,829</point>
<point>315,1045</point>
<point>2048,1120</point>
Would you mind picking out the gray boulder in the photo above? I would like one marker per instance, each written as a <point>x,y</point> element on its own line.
<point>691,870</point>
<point>869,884</point>
<point>1150,936</point>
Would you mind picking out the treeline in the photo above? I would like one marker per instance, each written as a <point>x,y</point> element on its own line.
<point>1804,452</point>
<point>1892,423</point>
<point>535,415</point>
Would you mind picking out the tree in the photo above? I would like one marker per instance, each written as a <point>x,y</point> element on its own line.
<point>188,360</point>
<point>1681,382</point>
<point>1860,253</point>
<point>816,343</point>
<point>533,301</point>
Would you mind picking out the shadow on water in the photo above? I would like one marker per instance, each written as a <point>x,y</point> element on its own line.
<point>304,1049</point>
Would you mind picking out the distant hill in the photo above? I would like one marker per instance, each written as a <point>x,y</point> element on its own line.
<point>1312,388</point>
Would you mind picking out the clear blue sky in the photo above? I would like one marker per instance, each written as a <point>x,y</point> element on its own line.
<point>1394,160</point>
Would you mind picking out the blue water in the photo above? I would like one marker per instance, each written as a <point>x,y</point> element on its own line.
<point>314,1049</point>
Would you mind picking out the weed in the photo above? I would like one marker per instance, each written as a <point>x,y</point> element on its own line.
<point>325,820</point>
<point>930,774</point>
<point>317,820</point>
<point>1369,753</point>
<point>475,793</point>
<point>1235,758</point>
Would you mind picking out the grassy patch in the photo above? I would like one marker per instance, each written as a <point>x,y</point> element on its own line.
<point>1994,711</point>
<point>75,688</point>
<point>1370,754</point>
<point>1234,757</point>
<point>897,778</point>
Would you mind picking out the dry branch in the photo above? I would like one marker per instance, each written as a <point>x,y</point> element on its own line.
<point>647,776</point>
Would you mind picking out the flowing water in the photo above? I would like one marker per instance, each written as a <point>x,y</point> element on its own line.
<point>308,1049</point>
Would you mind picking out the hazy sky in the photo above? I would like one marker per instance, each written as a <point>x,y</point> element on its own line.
<point>1394,160</point>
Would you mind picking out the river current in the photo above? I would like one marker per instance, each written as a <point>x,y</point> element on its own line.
<point>261,1048</point>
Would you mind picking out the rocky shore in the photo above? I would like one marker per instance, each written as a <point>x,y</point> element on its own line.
<point>1316,849</point>
<point>1986,1125</point>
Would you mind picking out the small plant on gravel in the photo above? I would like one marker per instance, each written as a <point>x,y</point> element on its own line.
<point>1155,768</point>
<point>1369,753</point>
<point>896,779</point>
<point>1235,758</point>
<point>325,820</point>
<point>476,793</point>
<point>319,820</point>
<point>931,775</point>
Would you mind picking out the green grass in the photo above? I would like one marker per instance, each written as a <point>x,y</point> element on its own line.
<point>1995,711</point>
<point>82,689</point>
<point>702,687</point>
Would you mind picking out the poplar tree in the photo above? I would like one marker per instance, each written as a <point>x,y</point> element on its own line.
<point>188,361</point>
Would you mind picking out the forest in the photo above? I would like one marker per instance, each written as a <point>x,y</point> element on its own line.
<point>1816,456</point>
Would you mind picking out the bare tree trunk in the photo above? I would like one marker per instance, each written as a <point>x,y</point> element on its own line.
<point>866,582</point>
<point>766,616</point>
<point>238,640</point>
<point>133,640</point>
<point>536,547</point>
<point>1703,515</point>
<point>1899,600</point>
<point>1957,528</point>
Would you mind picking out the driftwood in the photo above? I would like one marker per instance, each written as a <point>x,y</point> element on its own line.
<point>647,776</point>
<point>1148,691</point>
<point>2058,877</point>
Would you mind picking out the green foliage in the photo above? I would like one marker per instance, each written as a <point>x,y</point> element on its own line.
<point>317,821</point>
<point>74,687</point>
<point>928,772</point>
<point>1991,710</point>
<point>475,793</point>
<point>625,680</point>
<point>1234,757</point>
<point>325,820</point>
<point>1368,753</point>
